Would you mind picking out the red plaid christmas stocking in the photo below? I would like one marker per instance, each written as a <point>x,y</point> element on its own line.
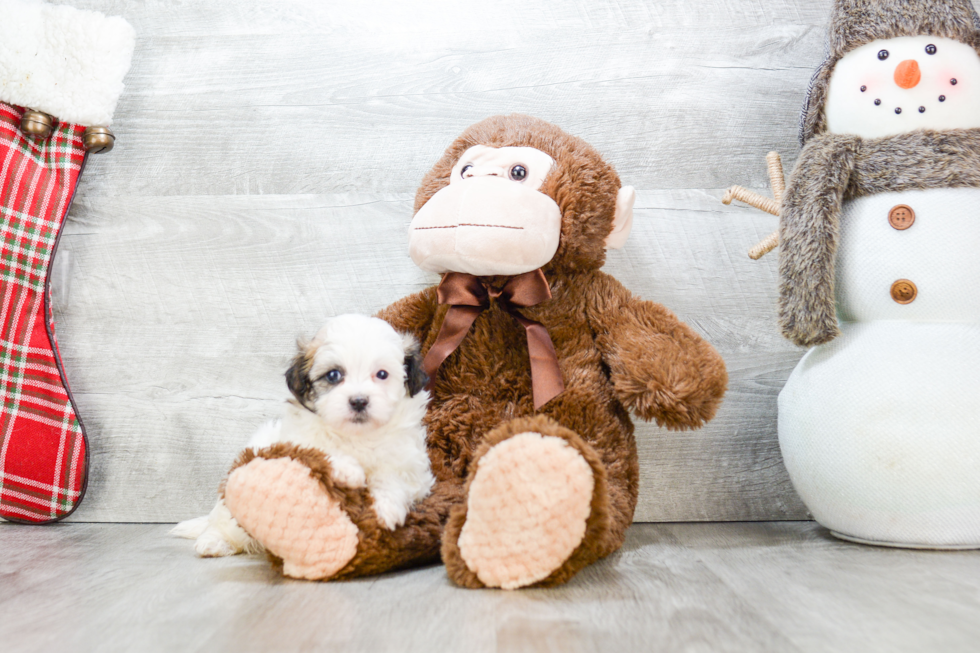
<point>49,63</point>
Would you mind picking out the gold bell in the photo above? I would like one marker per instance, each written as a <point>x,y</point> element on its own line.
<point>36,123</point>
<point>98,139</point>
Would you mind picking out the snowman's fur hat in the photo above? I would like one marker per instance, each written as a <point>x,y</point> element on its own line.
<point>854,23</point>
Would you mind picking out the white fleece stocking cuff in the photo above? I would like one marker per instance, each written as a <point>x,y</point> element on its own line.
<point>66,62</point>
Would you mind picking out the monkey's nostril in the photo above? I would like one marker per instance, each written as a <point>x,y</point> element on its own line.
<point>358,403</point>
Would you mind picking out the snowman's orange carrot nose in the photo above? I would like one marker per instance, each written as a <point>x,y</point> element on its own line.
<point>907,74</point>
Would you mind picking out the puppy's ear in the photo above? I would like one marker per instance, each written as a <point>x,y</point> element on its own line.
<point>415,378</point>
<point>298,375</point>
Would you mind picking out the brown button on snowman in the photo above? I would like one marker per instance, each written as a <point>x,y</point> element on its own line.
<point>904,291</point>
<point>879,424</point>
<point>901,217</point>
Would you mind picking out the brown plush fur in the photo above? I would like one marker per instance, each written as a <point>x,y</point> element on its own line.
<point>832,168</point>
<point>857,22</point>
<point>616,353</point>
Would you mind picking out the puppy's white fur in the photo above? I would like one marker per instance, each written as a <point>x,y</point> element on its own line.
<point>367,422</point>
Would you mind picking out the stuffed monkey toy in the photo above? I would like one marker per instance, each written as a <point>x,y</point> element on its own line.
<point>535,358</point>
<point>61,73</point>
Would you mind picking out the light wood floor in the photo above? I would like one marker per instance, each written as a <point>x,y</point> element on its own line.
<point>776,586</point>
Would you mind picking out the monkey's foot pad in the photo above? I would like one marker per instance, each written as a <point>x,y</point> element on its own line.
<point>526,510</point>
<point>279,504</point>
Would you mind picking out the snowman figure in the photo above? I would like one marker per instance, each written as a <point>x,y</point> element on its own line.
<point>879,424</point>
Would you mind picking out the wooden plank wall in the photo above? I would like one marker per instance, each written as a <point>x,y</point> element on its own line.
<point>267,156</point>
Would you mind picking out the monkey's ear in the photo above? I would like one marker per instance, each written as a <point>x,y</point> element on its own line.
<point>415,377</point>
<point>623,221</point>
<point>298,377</point>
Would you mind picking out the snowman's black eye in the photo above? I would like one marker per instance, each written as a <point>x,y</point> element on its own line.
<point>953,81</point>
<point>466,168</point>
<point>518,172</point>
<point>883,54</point>
<point>942,98</point>
<point>930,49</point>
<point>864,88</point>
<point>877,103</point>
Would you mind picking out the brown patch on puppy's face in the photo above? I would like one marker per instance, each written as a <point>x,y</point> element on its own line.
<point>298,375</point>
<point>415,377</point>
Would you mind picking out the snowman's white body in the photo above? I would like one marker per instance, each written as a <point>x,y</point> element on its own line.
<point>880,428</point>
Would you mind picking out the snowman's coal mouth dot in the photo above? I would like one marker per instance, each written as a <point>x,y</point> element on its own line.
<point>942,98</point>
<point>898,109</point>
<point>878,103</point>
<point>922,109</point>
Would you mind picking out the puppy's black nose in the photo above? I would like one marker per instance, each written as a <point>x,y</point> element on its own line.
<point>358,403</point>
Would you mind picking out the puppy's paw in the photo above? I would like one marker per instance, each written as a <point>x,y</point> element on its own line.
<point>391,513</point>
<point>347,471</point>
<point>190,529</point>
<point>212,544</point>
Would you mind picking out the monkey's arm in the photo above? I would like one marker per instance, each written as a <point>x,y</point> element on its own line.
<point>660,369</point>
<point>413,314</point>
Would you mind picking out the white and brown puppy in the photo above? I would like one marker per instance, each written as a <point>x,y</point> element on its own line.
<point>359,398</point>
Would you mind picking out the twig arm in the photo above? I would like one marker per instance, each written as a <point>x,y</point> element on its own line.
<point>771,206</point>
<point>751,198</point>
<point>776,178</point>
<point>765,246</point>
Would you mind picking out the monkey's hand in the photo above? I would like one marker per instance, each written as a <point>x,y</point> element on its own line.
<point>660,369</point>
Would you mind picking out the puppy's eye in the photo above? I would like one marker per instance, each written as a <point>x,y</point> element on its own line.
<point>518,173</point>
<point>466,168</point>
<point>382,375</point>
<point>334,376</point>
<point>930,49</point>
<point>883,54</point>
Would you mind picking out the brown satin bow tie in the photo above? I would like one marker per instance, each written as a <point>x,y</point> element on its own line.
<point>468,297</point>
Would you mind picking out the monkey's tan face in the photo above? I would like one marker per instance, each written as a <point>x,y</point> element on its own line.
<point>491,218</point>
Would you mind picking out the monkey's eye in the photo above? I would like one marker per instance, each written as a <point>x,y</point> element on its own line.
<point>930,49</point>
<point>382,374</point>
<point>518,172</point>
<point>334,376</point>
<point>883,54</point>
<point>466,168</point>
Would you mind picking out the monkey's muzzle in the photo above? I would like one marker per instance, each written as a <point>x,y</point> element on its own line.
<point>485,226</point>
